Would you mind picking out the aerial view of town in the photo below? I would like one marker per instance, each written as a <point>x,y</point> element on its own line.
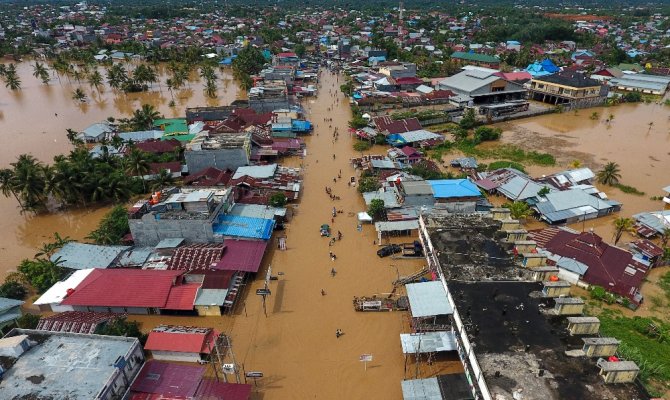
<point>326,199</point>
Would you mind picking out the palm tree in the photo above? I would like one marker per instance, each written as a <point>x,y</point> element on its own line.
<point>163,179</point>
<point>622,225</point>
<point>12,80</point>
<point>610,174</point>
<point>144,117</point>
<point>137,165</point>
<point>210,88</point>
<point>95,80</point>
<point>519,210</point>
<point>79,95</point>
<point>117,76</point>
<point>7,184</point>
<point>28,182</point>
<point>170,86</point>
<point>40,71</point>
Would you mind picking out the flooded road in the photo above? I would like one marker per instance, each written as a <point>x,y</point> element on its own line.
<point>295,345</point>
<point>34,120</point>
<point>637,138</point>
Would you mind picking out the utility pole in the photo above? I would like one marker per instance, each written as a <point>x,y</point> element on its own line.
<point>219,359</point>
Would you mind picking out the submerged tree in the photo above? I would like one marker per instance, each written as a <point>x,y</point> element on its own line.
<point>610,174</point>
<point>40,71</point>
<point>622,225</point>
<point>519,209</point>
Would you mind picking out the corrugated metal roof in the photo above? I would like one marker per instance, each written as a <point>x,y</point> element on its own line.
<point>182,297</point>
<point>123,288</point>
<point>211,297</point>
<point>389,197</point>
<point>168,379</point>
<point>170,243</point>
<point>255,228</point>
<point>657,220</point>
<point>256,171</point>
<point>421,389</point>
<point>450,188</point>
<point>418,136</point>
<point>139,136</point>
<point>427,299</point>
<point>210,390</point>
<point>390,226</point>
<point>136,256</point>
<point>83,255</point>
<point>242,255</point>
<point>257,211</point>
<point>181,342</point>
<point>428,342</point>
<point>6,304</point>
<point>520,188</point>
<point>56,293</point>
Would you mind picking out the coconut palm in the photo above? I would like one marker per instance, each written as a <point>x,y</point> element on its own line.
<point>170,86</point>
<point>137,165</point>
<point>144,117</point>
<point>163,179</point>
<point>7,184</point>
<point>29,183</point>
<point>79,95</point>
<point>41,72</point>
<point>116,76</point>
<point>210,88</point>
<point>622,225</point>
<point>519,210</point>
<point>610,174</point>
<point>12,80</point>
<point>95,80</point>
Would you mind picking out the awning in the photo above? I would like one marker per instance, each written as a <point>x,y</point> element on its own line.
<point>364,217</point>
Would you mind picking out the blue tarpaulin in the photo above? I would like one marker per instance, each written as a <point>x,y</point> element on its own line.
<point>245,227</point>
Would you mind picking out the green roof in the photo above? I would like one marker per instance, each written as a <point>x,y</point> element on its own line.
<point>172,126</point>
<point>287,134</point>
<point>475,57</point>
<point>181,138</point>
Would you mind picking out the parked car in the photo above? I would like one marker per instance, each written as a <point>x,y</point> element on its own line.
<point>388,250</point>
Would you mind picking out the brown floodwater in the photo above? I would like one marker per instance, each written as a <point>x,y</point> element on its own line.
<point>295,345</point>
<point>637,138</point>
<point>34,120</point>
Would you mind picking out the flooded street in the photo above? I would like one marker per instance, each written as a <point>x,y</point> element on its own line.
<point>295,345</point>
<point>34,120</point>
<point>638,139</point>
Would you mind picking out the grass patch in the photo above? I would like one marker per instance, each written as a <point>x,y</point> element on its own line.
<point>504,164</point>
<point>509,152</point>
<point>628,189</point>
<point>664,283</point>
<point>643,340</point>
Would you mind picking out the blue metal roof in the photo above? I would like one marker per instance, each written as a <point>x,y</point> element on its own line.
<point>246,227</point>
<point>446,188</point>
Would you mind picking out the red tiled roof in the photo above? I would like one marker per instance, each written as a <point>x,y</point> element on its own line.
<point>180,342</point>
<point>213,390</point>
<point>158,146</point>
<point>201,256</point>
<point>608,265</point>
<point>385,123</point>
<point>409,151</point>
<point>408,80</point>
<point>75,321</point>
<point>182,297</point>
<point>242,255</point>
<point>209,177</point>
<point>168,379</point>
<point>285,55</point>
<point>124,288</point>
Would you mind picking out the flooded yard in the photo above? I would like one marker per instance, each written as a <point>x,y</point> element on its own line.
<point>34,120</point>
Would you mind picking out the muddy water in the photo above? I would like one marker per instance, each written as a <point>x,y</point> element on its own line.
<point>34,119</point>
<point>638,139</point>
<point>295,345</point>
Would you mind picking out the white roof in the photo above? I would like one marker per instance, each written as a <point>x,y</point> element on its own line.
<point>256,171</point>
<point>58,291</point>
<point>428,342</point>
<point>427,299</point>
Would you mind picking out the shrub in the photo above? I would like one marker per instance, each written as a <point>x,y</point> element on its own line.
<point>112,228</point>
<point>368,184</point>
<point>469,120</point>
<point>362,145</point>
<point>487,133</point>
<point>278,200</point>
<point>13,290</point>
<point>505,164</point>
<point>632,97</point>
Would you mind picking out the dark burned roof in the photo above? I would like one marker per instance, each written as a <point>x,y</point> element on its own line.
<point>470,247</point>
<point>502,319</point>
<point>572,79</point>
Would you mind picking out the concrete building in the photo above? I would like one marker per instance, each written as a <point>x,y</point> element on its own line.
<point>56,365</point>
<point>181,343</point>
<point>223,151</point>
<point>189,214</point>
<point>572,89</point>
<point>480,86</point>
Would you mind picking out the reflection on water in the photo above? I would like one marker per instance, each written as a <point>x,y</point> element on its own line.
<point>34,120</point>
